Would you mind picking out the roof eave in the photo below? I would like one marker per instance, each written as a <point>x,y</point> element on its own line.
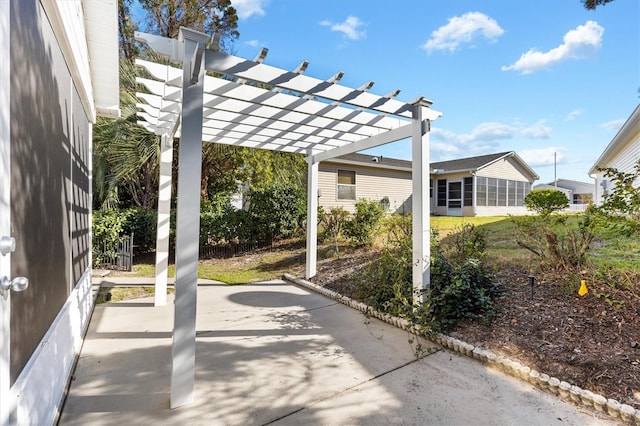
<point>101,21</point>
<point>618,140</point>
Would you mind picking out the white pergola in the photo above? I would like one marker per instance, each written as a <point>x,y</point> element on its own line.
<point>255,105</point>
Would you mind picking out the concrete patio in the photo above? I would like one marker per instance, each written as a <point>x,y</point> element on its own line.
<point>274,353</point>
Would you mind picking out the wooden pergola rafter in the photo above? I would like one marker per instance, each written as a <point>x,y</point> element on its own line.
<point>251,104</point>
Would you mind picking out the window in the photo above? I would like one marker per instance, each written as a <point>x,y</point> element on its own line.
<point>502,192</point>
<point>346,185</point>
<point>511,193</point>
<point>481,191</point>
<point>492,192</point>
<point>442,193</point>
<point>430,188</point>
<point>468,191</point>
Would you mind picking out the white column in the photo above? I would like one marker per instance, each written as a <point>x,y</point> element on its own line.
<point>420,204</point>
<point>7,402</point>
<point>188,220</point>
<point>164,213</point>
<point>312,217</point>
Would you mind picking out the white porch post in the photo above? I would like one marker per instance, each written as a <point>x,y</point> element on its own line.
<point>164,213</point>
<point>312,217</point>
<point>188,220</point>
<point>420,204</point>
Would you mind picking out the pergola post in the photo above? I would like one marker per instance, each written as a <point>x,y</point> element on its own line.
<point>312,216</point>
<point>183,350</point>
<point>164,213</point>
<point>420,204</point>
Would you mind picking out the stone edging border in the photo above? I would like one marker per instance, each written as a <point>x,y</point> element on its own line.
<point>562,389</point>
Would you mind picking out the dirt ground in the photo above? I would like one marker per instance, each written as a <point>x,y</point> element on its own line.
<point>591,341</point>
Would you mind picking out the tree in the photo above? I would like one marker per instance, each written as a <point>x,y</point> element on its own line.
<point>592,4</point>
<point>546,201</point>
<point>165,17</point>
<point>125,154</point>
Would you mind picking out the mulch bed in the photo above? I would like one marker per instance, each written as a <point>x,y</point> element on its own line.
<point>591,341</point>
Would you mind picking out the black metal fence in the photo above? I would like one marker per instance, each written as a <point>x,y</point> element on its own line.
<point>227,250</point>
<point>117,257</point>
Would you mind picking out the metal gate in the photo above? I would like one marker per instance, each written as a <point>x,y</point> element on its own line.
<point>119,256</point>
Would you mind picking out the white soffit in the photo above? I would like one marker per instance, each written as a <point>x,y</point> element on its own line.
<point>101,22</point>
<point>260,106</point>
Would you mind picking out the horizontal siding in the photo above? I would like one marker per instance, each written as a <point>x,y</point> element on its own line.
<point>624,161</point>
<point>371,184</point>
<point>505,169</point>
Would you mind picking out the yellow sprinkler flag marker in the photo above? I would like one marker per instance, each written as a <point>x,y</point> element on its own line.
<point>583,288</point>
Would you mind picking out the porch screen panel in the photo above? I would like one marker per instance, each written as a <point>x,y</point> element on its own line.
<point>468,191</point>
<point>492,192</point>
<point>502,192</point>
<point>481,191</point>
<point>511,193</point>
<point>442,193</point>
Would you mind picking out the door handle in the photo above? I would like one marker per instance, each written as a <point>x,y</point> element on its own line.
<point>16,284</point>
<point>7,245</point>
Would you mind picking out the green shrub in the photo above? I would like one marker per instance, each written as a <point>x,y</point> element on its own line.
<point>546,201</point>
<point>557,244</point>
<point>333,224</point>
<point>277,211</point>
<point>107,227</point>
<point>461,286</point>
<point>142,223</point>
<point>360,229</point>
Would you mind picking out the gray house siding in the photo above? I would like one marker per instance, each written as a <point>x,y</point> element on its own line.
<point>50,193</point>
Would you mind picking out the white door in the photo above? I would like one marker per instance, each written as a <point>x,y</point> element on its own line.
<point>454,198</point>
<point>4,207</point>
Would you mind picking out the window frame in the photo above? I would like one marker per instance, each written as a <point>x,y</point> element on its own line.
<point>344,185</point>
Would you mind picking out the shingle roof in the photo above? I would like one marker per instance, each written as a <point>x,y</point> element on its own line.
<point>470,163</point>
<point>373,160</point>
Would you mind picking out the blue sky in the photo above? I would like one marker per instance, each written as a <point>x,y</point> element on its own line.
<point>536,77</point>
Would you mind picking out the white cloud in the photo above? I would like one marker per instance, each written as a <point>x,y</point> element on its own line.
<point>350,27</point>
<point>248,8</point>
<point>583,41</point>
<point>463,30</point>
<point>538,130</point>
<point>542,156</point>
<point>483,139</point>
<point>252,43</point>
<point>613,125</point>
<point>573,114</point>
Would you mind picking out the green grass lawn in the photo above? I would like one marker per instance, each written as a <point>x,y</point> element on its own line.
<point>617,258</point>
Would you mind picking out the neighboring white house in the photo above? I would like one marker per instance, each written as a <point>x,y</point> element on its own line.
<point>579,194</point>
<point>59,70</point>
<point>622,153</point>
<point>485,185</point>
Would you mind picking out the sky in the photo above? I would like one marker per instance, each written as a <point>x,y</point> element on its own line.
<point>548,79</point>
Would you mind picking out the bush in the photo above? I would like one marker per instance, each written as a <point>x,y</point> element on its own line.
<point>142,223</point>
<point>278,211</point>
<point>557,244</point>
<point>333,224</point>
<point>461,286</point>
<point>360,229</point>
<point>546,201</point>
<point>107,227</point>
